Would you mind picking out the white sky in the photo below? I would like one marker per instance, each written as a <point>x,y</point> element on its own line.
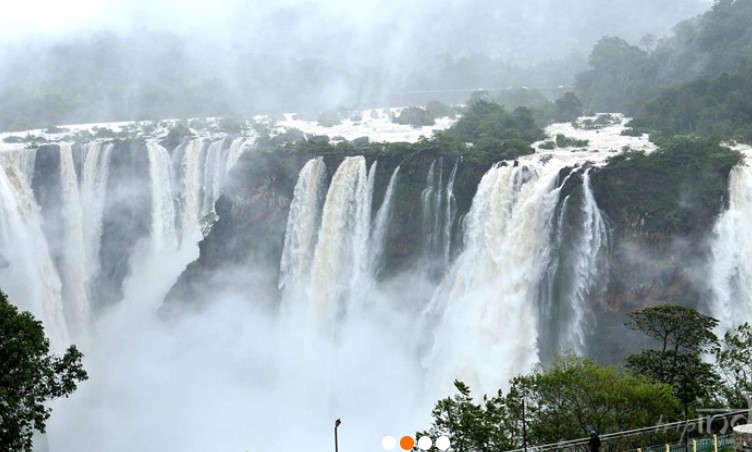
<point>21,18</point>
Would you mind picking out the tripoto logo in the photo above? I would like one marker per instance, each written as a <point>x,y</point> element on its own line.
<point>408,442</point>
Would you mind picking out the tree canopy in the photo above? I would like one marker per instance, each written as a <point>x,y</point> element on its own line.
<point>735,363</point>
<point>31,377</point>
<point>683,335</point>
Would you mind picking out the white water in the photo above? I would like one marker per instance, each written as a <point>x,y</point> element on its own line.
<point>30,280</point>
<point>381,224</point>
<point>93,189</point>
<point>341,253</point>
<point>237,148</point>
<point>592,241</point>
<point>730,269</point>
<point>73,270</point>
<point>214,171</point>
<point>302,224</point>
<point>191,190</point>
<point>26,159</point>
<point>485,306</point>
<point>163,232</point>
<point>449,214</point>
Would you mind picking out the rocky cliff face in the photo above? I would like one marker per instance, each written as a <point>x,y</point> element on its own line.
<point>241,253</point>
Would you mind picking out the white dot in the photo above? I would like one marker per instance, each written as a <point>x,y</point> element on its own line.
<point>442,443</point>
<point>424,443</point>
<point>388,443</point>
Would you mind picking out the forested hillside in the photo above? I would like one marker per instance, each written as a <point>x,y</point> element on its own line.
<point>623,75</point>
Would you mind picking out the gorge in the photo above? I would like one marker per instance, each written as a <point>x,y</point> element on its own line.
<point>304,280</point>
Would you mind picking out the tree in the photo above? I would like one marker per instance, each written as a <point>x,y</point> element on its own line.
<point>31,376</point>
<point>735,362</point>
<point>683,335</point>
<point>567,108</point>
<point>471,426</point>
<point>577,395</point>
<point>561,403</point>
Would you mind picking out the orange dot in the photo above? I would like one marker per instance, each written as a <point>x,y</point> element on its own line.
<point>407,442</point>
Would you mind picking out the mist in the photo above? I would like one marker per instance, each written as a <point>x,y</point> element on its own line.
<point>236,377</point>
<point>126,60</point>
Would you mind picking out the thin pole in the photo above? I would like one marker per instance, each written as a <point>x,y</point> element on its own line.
<point>336,440</point>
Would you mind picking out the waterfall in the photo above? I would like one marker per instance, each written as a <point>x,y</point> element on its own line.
<point>438,208</point>
<point>381,226</point>
<point>26,159</point>
<point>436,236</point>
<point>730,269</point>
<point>214,170</point>
<point>73,266</point>
<point>588,248</point>
<point>449,214</point>
<point>340,256</point>
<point>27,273</point>
<point>163,231</point>
<point>427,203</point>
<point>237,148</point>
<point>93,189</point>
<point>302,223</point>
<point>485,305</point>
<point>191,188</point>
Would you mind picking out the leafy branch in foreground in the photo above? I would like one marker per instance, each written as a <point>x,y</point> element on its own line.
<point>31,376</point>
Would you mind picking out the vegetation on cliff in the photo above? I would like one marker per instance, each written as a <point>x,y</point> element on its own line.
<point>678,189</point>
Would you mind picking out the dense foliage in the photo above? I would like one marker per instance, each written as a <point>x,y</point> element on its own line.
<point>622,76</point>
<point>676,189</point>
<point>415,116</point>
<point>719,107</point>
<point>735,363</point>
<point>30,377</point>
<point>494,132</point>
<point>565,401</point>
<point>575,395</point>
<point>683,335</point>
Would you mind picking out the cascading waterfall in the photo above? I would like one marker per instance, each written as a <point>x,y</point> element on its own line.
<point>163,232</point>
<point>427,203</point>
<point>438,207</point>
<point>340,258</point>
<point>730,269</point>
<point>485,306</point>
<point>302,223</point>
<point>214,171</point>
<point>28,275</point>
<point>93,188</point>
<point>449,214</point>
<point>26,159</point>
<point>73,269</point>
<point>62,298</point>
<point>381,225</point>
<point>191,188</point>
<point>588,249</point>
<point>238,146</point>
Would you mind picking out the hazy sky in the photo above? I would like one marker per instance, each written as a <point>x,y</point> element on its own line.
<point>50,18</point>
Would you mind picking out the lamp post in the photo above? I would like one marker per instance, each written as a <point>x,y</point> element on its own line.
<point>336,442</point>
